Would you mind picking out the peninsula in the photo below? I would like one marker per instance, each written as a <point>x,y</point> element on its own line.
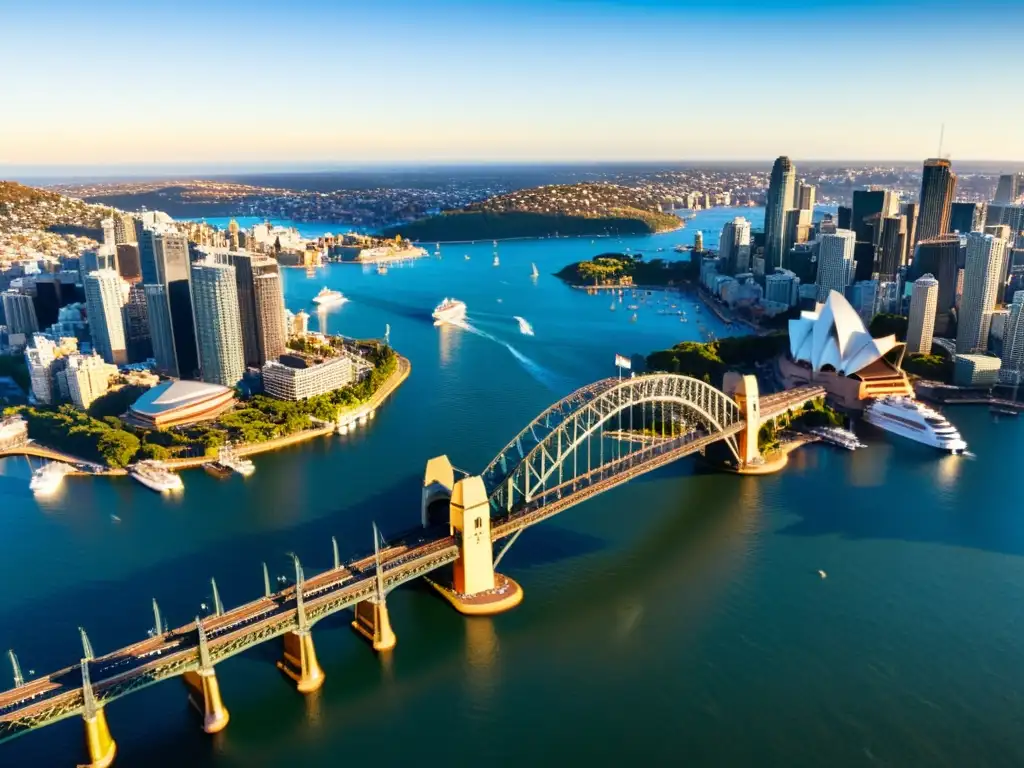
<point>613,270</point>
<point>586,209</point>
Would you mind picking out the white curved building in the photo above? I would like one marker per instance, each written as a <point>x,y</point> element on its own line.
<point>831,347</point>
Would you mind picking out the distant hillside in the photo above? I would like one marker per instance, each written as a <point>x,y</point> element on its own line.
<point>24,207</point>
<point>562,209</point>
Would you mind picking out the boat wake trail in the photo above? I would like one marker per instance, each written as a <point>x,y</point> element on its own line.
<point>524,327</point>
<point>539,372</point>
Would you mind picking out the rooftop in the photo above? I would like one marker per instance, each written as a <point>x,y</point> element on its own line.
<point>176,394</point>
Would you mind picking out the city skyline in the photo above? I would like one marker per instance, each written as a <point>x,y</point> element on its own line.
<point>534,82</point>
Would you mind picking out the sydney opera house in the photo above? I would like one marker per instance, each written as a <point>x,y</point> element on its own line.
<point>830,347</point>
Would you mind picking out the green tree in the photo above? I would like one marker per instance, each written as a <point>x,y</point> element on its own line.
<point>154,451</point>
<point>117,447</point>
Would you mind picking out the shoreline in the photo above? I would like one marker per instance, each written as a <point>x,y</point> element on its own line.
<point>390,385</point>
<point>603,236</point>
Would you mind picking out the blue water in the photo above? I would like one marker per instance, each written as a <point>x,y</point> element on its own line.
<point>680,618</point>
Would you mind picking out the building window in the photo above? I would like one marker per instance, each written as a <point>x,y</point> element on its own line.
<point>479,523</point>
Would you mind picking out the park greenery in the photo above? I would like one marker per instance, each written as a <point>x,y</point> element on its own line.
<point>623,269</point>
<point>101,437</point>
<point>929,367</point>
<point>888,325</point>
<point>492,225</point>
<point>709,361</point>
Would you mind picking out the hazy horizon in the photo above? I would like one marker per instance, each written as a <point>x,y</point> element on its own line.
<point>402,82</point>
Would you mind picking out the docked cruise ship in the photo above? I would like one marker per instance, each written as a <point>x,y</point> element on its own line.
<point>156,476</point>
<point>47,479</point>
<point>327,297</point>
<point>914,420</point>
<point>450,311</point>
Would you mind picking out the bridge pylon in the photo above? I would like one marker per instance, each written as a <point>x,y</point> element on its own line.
<point>371,616</point>
<point>300,662</point>
<point>99,744</point>
<point>204,690</point>
<point>476,589</point>
<point>743,389</point>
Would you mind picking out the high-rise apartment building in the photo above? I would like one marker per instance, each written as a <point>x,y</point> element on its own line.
<point>891,248</point>
<point>1009,187</point>
<point>782,286</point>
<point>39,358</point>
<point>967,217</point>
<point>20,312</point>
<point>983,276</point>
<point>170,251</point>
<point>272,335</point>
<point>910,211</point>
<point>128,264</point>
<point>1013,335</point>
<point>924,299</point>
<point>835,262</point>
<point>248,268</point>
<point>145,237</point>
<point>136,324</point>
<point>938,183</point>
<point>161,335</point>
<point>217,323</point>
<point>87,378</point>
<point>939,257</point>
<point>781,191</point>
<point>734,245</point>
<point>104,298</point>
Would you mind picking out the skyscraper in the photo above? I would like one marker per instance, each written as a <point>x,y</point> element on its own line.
<point>128,264</point>
<point>1009,187</point>
<point>39,358</point>
<point>938,183</point>
<point>923,300</point>
<point>217,322</point>
<point>144,237</point>
<point>966,217</point>
<point>136,325</point>
<point>939,257</point>
<point>734,245</point>
<point>891,246</point>
<point>835,262</point>
<point>910,211</point>
<point>844,217</point>
<point>20,312</point>
<point>1013,335</point>
<point>863,297</point>
<point>170,250</point>
<point>983,276</point>
<point>248,267</point>
<point>805,197</point>
<point>781,190</point>
<point>158,315</point>
<point>271,332</point>
<point>104,297</point>
<point>124,228</point>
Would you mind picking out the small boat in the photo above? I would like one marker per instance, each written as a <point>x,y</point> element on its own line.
<point>633,307</point>
<point>155,476</point>
<point>48,478</point>
<point>382,269</point>
<point>327,297</point>
<point>533,271</point>
<point>1003,411</point>
<point>496,262</point>
<point>450,311</point>
<point>235,463</point>
<point>633,318</point>
<point>612,307</point>
<point>467,257</point>
<point>217,469</point>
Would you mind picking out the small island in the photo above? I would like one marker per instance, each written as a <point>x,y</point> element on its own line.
<point>557,210</point>
<point>617,270</point>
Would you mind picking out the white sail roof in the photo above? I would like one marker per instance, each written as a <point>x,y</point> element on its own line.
<point>834,335</point>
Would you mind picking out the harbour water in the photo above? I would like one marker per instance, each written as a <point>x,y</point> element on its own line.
<point>679,618</point>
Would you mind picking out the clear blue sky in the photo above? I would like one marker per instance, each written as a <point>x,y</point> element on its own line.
<point>476,80</point>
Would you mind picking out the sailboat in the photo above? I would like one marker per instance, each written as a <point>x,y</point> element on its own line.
<point>497,261</point>
<point>533,271</point>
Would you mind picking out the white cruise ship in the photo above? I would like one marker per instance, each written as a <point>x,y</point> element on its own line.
<point>327,297</point>
<point>156,476</point>
<point>914,420</point>
<point>47,479</point>
<point>450,311</point>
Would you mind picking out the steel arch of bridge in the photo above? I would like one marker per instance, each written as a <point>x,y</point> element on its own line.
<point>541,451</point>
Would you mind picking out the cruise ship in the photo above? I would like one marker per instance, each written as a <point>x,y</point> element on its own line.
<point>914,420</point>
<point>450,311</point>
<point>156,476</point>
<point>327,297</point>
<point>47,479</point>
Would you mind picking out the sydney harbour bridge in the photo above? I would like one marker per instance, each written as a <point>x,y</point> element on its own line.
<point>595,439</point>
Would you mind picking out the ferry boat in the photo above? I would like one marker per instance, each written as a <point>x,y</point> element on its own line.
<point>327,297</point>
<point>156,476</point>
<point>450,311</point>
<point>533,271</point>
<point>47,479</point>
<point>228,458</point>
<point>837,436</point>
<point>914,420</point>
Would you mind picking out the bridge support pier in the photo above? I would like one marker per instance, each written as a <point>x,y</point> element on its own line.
<point>743,389</point>
<point>98,742</point>
<point>372,622</point>
<point>299,661</point>
<point>476,589</point>
<point>204,693</point>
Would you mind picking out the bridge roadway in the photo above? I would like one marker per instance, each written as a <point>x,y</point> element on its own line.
<point>55,697</point>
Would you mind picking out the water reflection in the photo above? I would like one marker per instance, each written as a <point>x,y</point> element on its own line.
<point>314,708</point>
<point>481,661</point>
<point>948,470</point>
<point>868,467</point>
<point>449,338</point>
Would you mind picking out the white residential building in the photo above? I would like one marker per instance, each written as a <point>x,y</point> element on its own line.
<point>983,279</point>
<point>88,377</point>
<point>105,295</point>
<point>218,323</point>
<point>924,300</point>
